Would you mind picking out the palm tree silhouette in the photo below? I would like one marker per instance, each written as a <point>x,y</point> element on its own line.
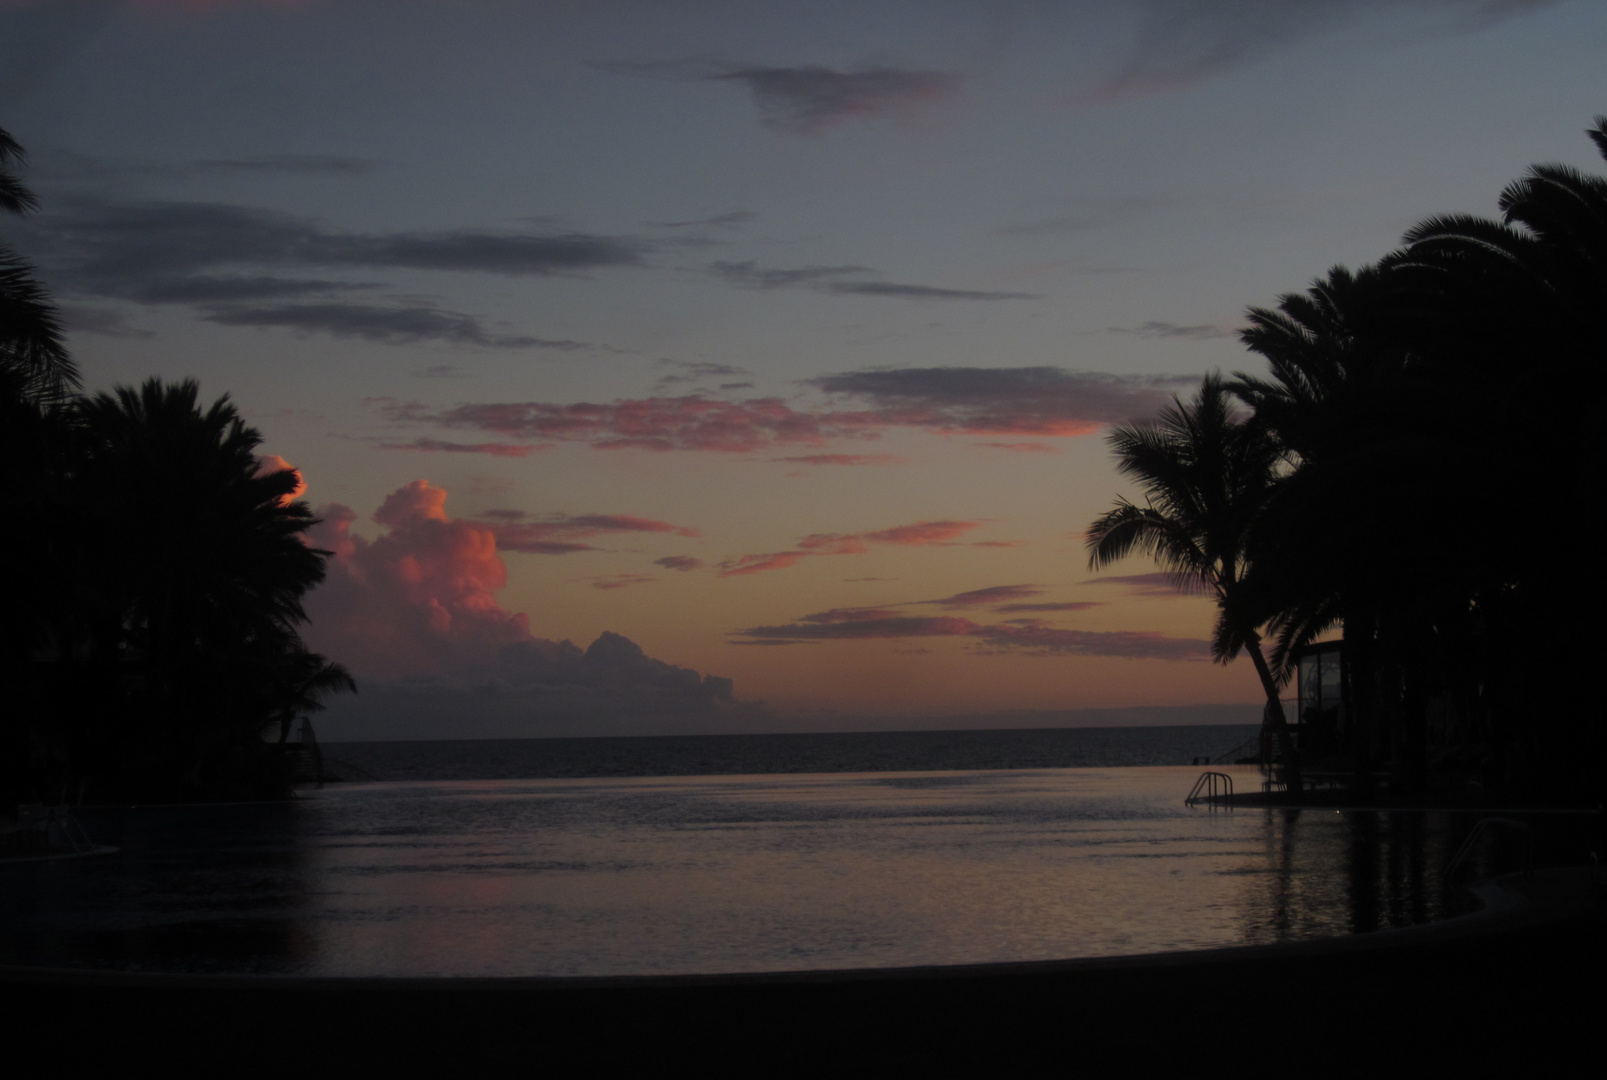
<point>1205,475</point>
<point>34,364</point>
<point>1401,517</point>
<point>197,568</point>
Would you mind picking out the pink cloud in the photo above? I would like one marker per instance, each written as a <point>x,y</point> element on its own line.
<point>753,564</point>
<point>1159,584</point>
<point>1036,401</point>
<point>621,581</point>
<point>837,615</point>
<point>1076,605</point>
<point>920,534</point>
<point>561,534</point>
<point>833,544</point>
<point>1027,636</point>
<point>268,464</point>
<point>513,450</point>
<point>983,597</point>
<point>517,539</point>
<point>418,598</point>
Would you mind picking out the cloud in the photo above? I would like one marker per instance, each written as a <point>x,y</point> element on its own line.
<point>228,260</point>
<point>921,292</point>
<point>690,371</point>
<point>207,289</point>
<point>515,450</point>
<point>1023,400</point>
<point>844,459</point>
<point>1027,636</point>
<point>842,615</point>
<point>420,597</point>
<point>1022,447</point>
<point>734,220</point>
<point>1005,599</point>
<point>1159,584</point>
<point>995,594</point>
<point>749,274</point>
<point>1183,43</point>
<point>1157,329</point>
<point>561,534</point>
<point>662,423</point>
<point>678,562</point>
<point>920,534</point>
<point>755,564</point>
<point>117,248</point>
<point>621,581</point>
<point>812,100</point>
<point>893,626</point>
<point>415,609</point>
<point>386,325</point>
<point>1037,401</point>
<point>1038,640</point>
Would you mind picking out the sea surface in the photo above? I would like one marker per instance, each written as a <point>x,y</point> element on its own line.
<point>724,755</point>
<point>795,862</point>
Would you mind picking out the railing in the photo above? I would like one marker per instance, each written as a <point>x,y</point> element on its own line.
<point>1484,826</point>
<point>1209,788</point>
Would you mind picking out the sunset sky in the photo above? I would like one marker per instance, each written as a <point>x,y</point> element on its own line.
<point>775,337</point>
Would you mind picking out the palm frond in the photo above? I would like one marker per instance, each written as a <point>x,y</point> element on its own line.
<point>14,197</point>
<point>33,349</point>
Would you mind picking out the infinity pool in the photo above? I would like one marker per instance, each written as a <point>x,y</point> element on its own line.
<point>716,874</point>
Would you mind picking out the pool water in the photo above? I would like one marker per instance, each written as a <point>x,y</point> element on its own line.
<point>637,875</point>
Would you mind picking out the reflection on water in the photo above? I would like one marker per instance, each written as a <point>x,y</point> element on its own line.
<point>710,874</point>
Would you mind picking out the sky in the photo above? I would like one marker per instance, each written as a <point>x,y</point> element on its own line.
<point>766,341</point>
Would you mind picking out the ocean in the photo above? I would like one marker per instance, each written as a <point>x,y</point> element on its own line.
<point>725,854</point>
<point>727,755</point>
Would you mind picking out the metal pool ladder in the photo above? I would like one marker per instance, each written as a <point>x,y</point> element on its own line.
<point>1210,787</point>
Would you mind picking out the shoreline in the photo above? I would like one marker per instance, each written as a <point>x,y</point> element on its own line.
<point>1526,964</point>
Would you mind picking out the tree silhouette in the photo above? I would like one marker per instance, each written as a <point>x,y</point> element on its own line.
<point>1430,409</point>
<point>151,637</point>
<point>34,364</point>
<point>196,569</point>
<point>1205,476</point>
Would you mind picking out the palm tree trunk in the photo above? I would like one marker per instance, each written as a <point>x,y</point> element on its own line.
<point>1272,717</point>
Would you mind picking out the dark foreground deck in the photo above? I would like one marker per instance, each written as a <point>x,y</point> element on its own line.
<point>1521,982</point>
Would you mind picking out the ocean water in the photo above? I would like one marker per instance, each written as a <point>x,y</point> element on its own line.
<point>721,755</point>
<point>743,871</point>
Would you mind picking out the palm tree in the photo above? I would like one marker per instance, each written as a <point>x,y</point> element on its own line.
<point>194,568</point>
<point>34,365</point>
<point>1403,517</point>
<point>1516,334</point>
<point>1343,539</point>
<point>1206,476</point>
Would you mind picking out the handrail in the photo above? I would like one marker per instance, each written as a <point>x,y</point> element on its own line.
<point>1209,788</point>
<point>1477,834</point>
